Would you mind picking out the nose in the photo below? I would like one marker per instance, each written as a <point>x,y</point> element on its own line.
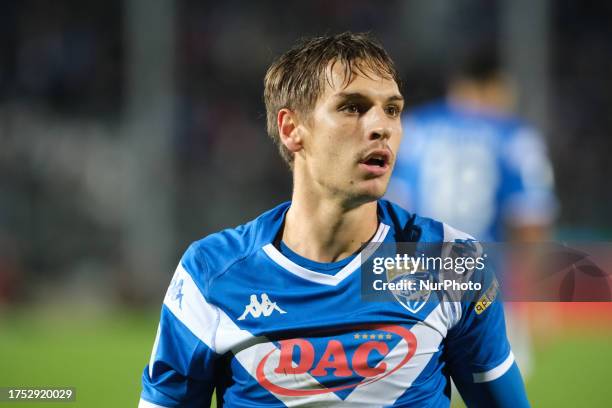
<point>379,133</point>
<point>379,125</point>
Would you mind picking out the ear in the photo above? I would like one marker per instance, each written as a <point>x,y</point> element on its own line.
<point>288,129</point>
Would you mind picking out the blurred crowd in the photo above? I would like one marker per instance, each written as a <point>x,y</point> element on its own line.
<point>62,85</point>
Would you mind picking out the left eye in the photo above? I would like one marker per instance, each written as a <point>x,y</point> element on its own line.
<point>393,111</point>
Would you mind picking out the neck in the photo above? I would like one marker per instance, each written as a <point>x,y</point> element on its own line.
<point>325,229</point>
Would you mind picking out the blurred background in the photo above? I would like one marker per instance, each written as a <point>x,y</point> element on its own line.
<point>129,129</point>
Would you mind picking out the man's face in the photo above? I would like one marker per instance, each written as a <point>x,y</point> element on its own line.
<point>352,135</point>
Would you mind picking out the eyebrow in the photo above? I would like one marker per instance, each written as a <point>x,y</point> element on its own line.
<point>358,95</point>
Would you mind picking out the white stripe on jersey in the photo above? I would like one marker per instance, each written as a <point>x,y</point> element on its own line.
<point>200,317</point>
<point>154,352</point>
<point>206,321</point>
<point>323,278</point>
<point>495,373</point>
<point>229,336</point>
<point>147,404</point>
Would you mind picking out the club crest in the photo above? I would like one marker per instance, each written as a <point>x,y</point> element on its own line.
<point>412,296</point>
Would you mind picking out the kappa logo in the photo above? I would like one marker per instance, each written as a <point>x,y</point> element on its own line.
<point>256,308</point>
<point>175,292</point>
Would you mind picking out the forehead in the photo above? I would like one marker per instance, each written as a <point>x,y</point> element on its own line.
<point>338,79</point>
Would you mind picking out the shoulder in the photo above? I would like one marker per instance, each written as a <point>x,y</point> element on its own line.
<point>214,254</point>
<point>452,234</point>
<point>522,139</point>
<point>413,227</point>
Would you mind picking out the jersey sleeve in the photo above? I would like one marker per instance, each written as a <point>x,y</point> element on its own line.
<point>507,391</point>
<point>527,195</point>
<point>180,371</point>
<point>479,355</point>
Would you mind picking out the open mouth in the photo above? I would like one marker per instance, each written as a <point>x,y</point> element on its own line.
<point>379,158</point>
<point>376,161</point>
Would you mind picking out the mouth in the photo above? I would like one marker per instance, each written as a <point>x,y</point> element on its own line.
<point>376,162</point>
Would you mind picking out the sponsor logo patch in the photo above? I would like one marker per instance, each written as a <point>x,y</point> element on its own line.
<point>487,299</point>
<point>293,369</point>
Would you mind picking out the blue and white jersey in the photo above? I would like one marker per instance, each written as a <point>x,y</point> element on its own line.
<point>268,328</point>
<point>473,170</point>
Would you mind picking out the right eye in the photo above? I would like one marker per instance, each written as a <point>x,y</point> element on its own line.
<point>350,108</point>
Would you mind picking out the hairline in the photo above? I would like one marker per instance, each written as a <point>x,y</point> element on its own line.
<point>358,67</point>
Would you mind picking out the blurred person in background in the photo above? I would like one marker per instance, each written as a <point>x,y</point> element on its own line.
<point>468,160</point>
<point>270,313</point>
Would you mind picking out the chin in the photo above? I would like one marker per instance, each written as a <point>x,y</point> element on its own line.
<point>370,192</point>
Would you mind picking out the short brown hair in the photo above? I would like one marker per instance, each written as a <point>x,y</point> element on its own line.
<point>296,79</point>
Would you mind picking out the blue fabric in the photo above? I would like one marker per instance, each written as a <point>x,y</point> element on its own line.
<point>181,370</point>
<point>232,297</point>
<point>507,391</point>
<point>330,268</point>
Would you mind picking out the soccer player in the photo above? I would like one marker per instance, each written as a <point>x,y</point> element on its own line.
<point>269,314</point>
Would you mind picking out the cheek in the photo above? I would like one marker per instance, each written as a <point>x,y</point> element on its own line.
<point>395,142</point>
<point>347,133</point>
<point>335,140</point>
